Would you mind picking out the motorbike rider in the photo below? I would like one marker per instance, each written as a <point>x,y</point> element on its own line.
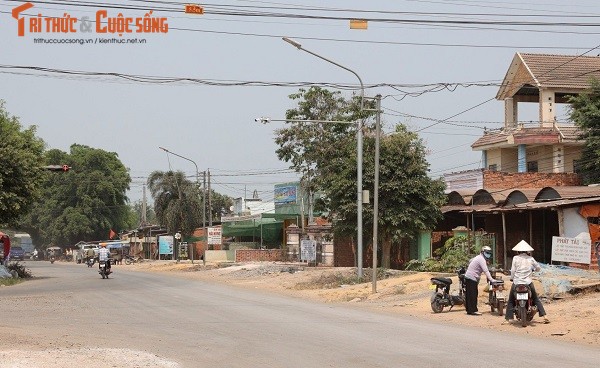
<point>89,254</point>
<point>523,266</point>
<point>477,266</point>
<point>104,256</point>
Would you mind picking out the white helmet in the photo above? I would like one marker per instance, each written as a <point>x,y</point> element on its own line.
<point>486,251</point>
<point>523,246</point>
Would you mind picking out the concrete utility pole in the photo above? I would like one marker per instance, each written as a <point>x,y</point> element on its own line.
<point>376,189</point>
<point>359,160</point>
<point>209,201</point>
<point>143,214</point>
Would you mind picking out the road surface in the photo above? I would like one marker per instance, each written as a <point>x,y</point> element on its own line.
<point>141,319</point>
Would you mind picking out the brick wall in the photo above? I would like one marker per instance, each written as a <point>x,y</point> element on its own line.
<point>506,180</point>
<point>259,255</point>
<point>343,252</point>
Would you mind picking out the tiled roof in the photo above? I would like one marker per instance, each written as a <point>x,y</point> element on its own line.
<point>565,71</point>
<point>491,138</point>
<point>569,133</point>
<point>569,73</point>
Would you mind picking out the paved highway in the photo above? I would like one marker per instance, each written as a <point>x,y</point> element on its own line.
<point>198,324</point>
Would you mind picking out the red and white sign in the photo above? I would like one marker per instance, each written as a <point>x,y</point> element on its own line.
<point>214,235</point>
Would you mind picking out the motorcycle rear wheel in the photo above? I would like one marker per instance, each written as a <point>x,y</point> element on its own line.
<point>500,308</point>
<point>436,305</point>
<point>523,314</point>
<point>127,261</point>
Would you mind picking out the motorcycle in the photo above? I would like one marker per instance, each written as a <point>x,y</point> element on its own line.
<point>525,308</point>
<point>441,297</point>
<point>104,269</point>
<point>90,261</point>
<point>496,298</point>
<point>52,259</point>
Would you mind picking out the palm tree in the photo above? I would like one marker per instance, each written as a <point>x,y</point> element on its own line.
<point>176,201</point>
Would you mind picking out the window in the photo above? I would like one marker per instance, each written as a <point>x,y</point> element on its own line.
<point>532,166</point>
<point>493,167</point>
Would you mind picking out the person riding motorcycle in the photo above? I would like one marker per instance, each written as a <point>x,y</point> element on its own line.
<point>89,254</point>
<point>477,265</point>
<point>523,266</point>
<point>104,256</point>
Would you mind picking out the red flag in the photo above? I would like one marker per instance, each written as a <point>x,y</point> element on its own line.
<point>111,234</point>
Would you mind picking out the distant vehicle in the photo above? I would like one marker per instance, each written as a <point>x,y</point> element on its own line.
<point>81,252</point>
<point>24,241</point>
<point>17,254</point>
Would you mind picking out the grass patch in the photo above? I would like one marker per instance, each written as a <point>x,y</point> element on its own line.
<point>9,281</point>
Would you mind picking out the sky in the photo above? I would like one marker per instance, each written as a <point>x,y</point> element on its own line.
<point>436,63</point>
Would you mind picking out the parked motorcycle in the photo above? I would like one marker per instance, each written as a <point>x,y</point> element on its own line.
<point>104,269</point>
<point>525,308</point>
<point>496,298</point>
<point>441,297</point>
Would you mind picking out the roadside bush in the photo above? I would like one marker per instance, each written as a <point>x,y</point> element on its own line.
<point>19,269</point>
<point>456,252</point>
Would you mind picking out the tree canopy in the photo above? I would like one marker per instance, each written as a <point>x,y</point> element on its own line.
<point>20,168</point>
<point>84,203</point>
<point>585,113</point>
<point>178,202</point>
<point>409,201</point>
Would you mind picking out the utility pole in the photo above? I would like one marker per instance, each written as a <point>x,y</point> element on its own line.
<point>143,214</point>
<point>209,202</point>
<point>376,189</point>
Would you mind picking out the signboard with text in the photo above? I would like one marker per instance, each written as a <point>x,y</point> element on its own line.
<point>571,250</point>
<point>214,235</point>
<point>308,250</point>
<point>165,244</point>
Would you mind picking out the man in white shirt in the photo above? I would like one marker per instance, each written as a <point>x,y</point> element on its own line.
<point>104,256</point>
<point>523,266</point>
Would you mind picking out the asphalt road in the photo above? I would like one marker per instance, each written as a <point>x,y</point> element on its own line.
<point>199,324</point>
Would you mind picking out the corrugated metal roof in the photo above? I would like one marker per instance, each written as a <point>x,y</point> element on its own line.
<point>550,193</point>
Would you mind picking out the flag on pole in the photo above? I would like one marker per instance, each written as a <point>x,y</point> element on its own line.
<point>111,234</point>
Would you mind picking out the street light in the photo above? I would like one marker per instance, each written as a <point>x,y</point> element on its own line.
<point>359,153</point>
<point>198,185</point>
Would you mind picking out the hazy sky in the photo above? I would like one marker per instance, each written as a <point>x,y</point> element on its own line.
<point>416,46</point>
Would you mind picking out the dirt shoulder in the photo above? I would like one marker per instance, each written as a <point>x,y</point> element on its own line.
<point>574,318</point>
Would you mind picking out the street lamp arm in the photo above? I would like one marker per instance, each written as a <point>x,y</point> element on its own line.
<point>299,47</point>
<point>185,158</point>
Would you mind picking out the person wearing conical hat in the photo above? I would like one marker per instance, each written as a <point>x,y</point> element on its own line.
<point>523,266</point>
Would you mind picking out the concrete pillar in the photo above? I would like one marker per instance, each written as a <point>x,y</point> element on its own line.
<point>484,159</point>
<point>558,159</point>
<point>547,108</point>
<point>522,158</point>
<point>511,113</point>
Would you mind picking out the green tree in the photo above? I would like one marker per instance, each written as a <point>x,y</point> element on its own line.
<point>409,201</point>
<point>20,168</point>
<point>585,113</point>
<point>308,145</point>
<point>84,203</point>
<point>326,154</point>
<point>219,205</point>
<point>176,201</point>
<point>137,209</point>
